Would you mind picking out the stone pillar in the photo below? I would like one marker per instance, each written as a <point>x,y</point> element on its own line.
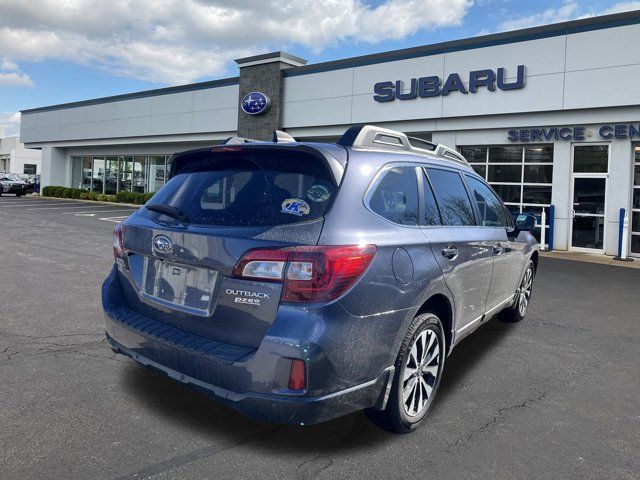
<point>263,73</point>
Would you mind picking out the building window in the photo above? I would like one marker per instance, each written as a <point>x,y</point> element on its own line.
<point>635,205</point>
<point>29,169</point>
<point>521,175</point>
<point>120,173</point>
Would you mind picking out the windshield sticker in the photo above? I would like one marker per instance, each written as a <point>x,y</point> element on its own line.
<point>295,206</point>
<point>318,193</point>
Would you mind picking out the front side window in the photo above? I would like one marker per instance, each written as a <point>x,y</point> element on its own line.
<point>492,214</point>
<point>452,197</point>
<point>396,196</point>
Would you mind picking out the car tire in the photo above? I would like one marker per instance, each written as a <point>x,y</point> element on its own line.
<point>517,311</point>
<point>408,405</point>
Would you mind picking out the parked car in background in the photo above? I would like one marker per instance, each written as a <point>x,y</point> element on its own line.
<point>13,185</point>
<point>297,282</point>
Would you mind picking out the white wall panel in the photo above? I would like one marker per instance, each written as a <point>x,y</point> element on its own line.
<point>598,88</point>
<point>138,107</point>
<point>171,104</point>
<point>216,98</point>
<point>221,120</point>
<point>317,112</point>
<point>543,92</point>
<point>336,83</point>
<point>365,109</point>
<point>168,124</point>
<point>603,48</point>
<point>72,115</point>
<point>540,56</point>
<point>104,129</point>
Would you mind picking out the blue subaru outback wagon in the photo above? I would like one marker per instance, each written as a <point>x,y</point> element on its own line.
<point>297,282</point>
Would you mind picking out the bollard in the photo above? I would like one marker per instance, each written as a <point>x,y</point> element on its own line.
<point>552,214</point>
<point>543,222</point>
<point>623,237</point>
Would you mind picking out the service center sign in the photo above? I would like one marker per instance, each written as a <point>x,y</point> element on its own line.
<point>432,86</point>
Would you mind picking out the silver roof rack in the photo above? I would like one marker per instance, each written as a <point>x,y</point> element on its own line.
<point>278,137</point>
<point>370,136</point>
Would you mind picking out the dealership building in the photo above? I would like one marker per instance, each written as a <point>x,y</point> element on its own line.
<point>548,115</point>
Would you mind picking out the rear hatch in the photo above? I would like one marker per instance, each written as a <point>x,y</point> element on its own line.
<point>177,255</point>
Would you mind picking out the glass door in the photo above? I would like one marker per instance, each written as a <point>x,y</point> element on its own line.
<point>588,197</point>
<point>111,176</point>
<point>587,222</point>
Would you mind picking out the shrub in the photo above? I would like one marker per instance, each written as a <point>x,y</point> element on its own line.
<point>78,193</point>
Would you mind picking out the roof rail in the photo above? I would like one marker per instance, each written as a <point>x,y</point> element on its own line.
<point>278,137</point>
<point>370,136</point>
<point>282,137</point>
<point>236,141</point>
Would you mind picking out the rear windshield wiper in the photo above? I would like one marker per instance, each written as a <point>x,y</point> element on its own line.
<point>168,210</point>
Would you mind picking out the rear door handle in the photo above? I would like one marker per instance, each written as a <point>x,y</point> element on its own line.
<point>498,249</point>
<point>450,252</point>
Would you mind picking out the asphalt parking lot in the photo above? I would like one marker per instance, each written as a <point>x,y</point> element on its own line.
<point>554,397</point>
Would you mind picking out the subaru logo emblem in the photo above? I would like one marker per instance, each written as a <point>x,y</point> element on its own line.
<point>255,103</point>
<point>162,244</point>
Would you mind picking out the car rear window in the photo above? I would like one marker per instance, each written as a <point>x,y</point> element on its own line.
<point>250,188</point>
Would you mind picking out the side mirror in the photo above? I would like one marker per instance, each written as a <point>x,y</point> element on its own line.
<point>525,222</point>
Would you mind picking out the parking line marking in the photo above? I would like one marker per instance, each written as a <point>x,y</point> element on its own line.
<point>67,207</point>
<point>99,211</point>
<point>35,202</point>
<point>114,219</point>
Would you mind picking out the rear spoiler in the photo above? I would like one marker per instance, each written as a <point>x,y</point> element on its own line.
<point>180,160</point>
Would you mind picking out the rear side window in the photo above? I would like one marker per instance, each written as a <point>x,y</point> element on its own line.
<point>451,194</point>
<point>250,188</point>
<point>492,213</point>
<point>396,196</point>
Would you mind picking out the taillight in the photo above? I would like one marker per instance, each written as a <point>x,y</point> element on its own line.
<point>309,274</point>
<point>118,245</point>
<point>297,375</point>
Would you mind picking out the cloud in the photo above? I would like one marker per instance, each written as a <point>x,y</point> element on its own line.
<point>552,15</point>
<point>10,123</point>
<point>13,79</point>
<point>570,10</point>
<point>176,41</point>
<point>10,75</point>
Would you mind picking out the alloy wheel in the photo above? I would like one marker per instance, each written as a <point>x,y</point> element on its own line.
<point>525,292</point>
<point>420,372</point>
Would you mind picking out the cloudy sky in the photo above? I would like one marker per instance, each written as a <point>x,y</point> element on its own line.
<point>55,51</point>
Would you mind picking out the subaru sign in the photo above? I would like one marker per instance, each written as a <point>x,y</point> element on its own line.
<point>255,103</point>
<point>425,87</point>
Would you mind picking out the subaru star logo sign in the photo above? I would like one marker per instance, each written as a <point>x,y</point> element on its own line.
<point>162,244</point>
<point>255,103</point>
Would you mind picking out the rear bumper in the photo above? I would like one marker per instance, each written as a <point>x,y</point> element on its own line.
<point>274,408</point>
<point>253,381</point>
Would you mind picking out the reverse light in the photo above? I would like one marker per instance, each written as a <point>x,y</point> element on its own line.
<point>297,375</point>
<point>118,245</point>
<point>308,274</point>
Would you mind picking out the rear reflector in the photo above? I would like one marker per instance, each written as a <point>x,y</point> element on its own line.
<point>309,274</point>
<point>297,377</point>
